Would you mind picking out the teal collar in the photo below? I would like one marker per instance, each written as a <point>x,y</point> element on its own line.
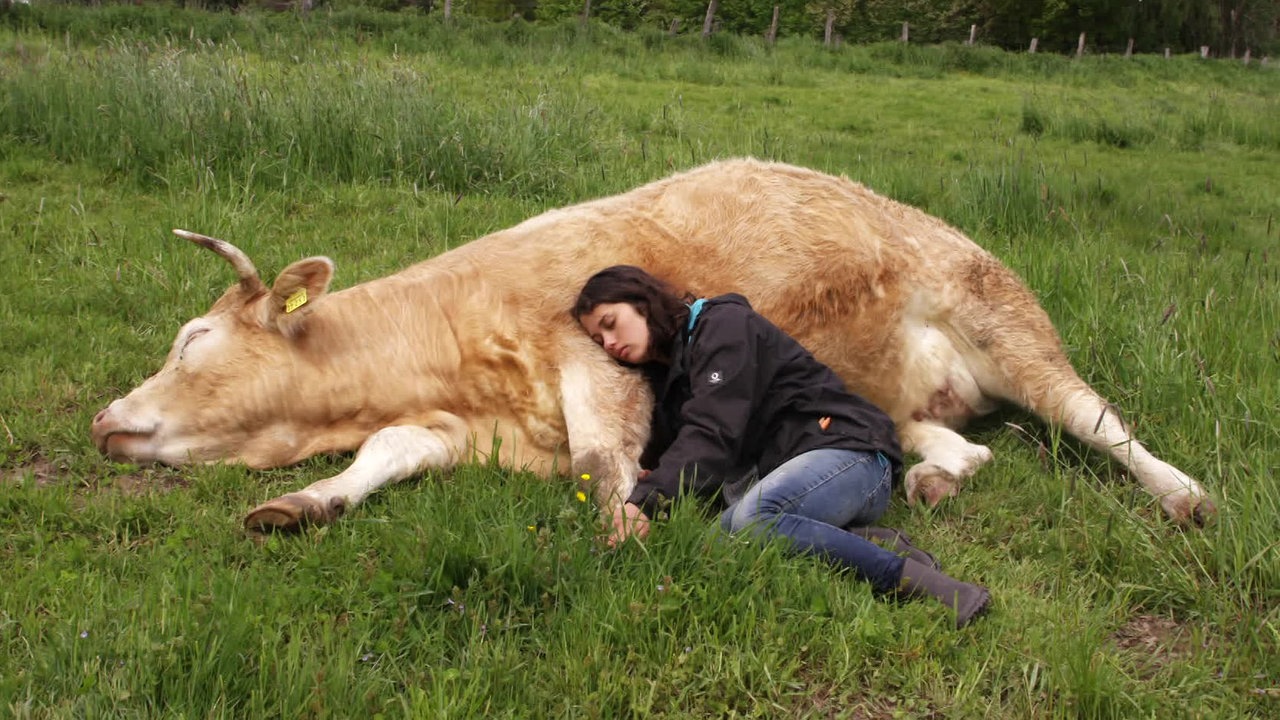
<point>695,309</point>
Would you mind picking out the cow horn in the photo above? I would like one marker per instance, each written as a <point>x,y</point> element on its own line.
<point>249,279</point>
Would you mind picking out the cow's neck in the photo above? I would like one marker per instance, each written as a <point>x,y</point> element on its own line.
<point>371,354</point>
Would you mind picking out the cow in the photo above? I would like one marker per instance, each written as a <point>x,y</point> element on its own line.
<point>473,354</point>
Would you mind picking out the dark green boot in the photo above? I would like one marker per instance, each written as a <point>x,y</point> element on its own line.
<point>897,541</point>
<point>968,601</point>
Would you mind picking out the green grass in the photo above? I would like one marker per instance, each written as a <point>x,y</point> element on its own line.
<point>1138,198</point>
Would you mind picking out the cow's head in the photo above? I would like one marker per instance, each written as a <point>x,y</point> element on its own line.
<point>220,393</point>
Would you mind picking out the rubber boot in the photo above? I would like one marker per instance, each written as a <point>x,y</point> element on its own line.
<point>919,580</point>
<point>897,542</point>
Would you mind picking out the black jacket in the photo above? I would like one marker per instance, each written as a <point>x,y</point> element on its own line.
<point>740,392</point>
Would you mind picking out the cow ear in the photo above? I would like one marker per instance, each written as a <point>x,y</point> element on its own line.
<point>295,292</point>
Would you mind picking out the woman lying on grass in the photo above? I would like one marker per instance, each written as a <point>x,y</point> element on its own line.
<point>733,392</point>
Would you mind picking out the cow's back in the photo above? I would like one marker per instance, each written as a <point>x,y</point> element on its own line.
<point>828,260</point>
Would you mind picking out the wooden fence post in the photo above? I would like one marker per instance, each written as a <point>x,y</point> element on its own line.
<point>773,26</point>
<point>711,16</point>
<point>905,31</point>
<point>675,26</point>
<point>1034,43</point>
<point>831,21</point>
<point>1166,54</point>
<point>973,33</point>
<point>448,9</point>
<point>586,11</point>
<point>1128,51</point>
<point>1233,33</point>
<point>1204,52</point>
<point>1080,46</point>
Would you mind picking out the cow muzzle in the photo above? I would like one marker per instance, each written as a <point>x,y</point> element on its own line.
<point>120,439</point>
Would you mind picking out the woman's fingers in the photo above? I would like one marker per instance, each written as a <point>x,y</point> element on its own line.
<point>628,521</point>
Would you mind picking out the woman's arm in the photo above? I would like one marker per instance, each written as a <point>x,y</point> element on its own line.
<point>726,379</point>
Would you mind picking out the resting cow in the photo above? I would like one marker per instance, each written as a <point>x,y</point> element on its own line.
<point>473,354</point>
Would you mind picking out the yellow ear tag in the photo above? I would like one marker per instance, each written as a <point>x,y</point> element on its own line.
<point>296,300</point>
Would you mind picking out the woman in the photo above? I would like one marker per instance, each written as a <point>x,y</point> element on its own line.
<point>734,393</point>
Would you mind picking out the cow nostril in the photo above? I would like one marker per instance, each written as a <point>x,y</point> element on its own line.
<point>97,419</point>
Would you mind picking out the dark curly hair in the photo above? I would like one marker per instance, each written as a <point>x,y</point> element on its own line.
<point>664,310</point>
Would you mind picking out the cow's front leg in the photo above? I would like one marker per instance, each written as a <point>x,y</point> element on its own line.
<point>607,412</point>
<point>387,456</point>
<point>947,460</point>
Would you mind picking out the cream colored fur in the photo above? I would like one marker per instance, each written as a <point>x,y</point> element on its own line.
<point>476,345</point>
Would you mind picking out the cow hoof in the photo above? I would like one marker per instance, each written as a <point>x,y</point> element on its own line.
<point>1205,512</point>
<point>1190,509</point>
<point>931,484</point>
<point>292,512</point>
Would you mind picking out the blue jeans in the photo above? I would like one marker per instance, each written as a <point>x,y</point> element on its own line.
<point>811,497</point>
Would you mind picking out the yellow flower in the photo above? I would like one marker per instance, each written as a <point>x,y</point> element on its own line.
<point>533,528</point>
<point>586,476</point>
<point>582,497</point>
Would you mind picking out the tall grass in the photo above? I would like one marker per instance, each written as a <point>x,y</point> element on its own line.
<point>1136,197</point>
<point>168,116</point>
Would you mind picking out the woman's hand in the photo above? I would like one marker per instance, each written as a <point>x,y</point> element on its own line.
<point>628,521</point>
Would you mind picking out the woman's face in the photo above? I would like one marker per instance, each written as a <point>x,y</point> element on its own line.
<point>621,330</point>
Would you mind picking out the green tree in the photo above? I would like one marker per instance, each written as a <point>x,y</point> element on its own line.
<point>502,9</point>
<point>1249,24</point>
<point>930,21</point>
<point>1182,25</point>
<point>625,14</point>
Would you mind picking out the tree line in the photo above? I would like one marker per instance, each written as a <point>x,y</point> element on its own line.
<point>1229,28</point>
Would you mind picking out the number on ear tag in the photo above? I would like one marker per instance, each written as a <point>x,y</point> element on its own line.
<point>296,300</point>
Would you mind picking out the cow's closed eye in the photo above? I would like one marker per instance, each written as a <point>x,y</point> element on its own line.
<point>187,343</point>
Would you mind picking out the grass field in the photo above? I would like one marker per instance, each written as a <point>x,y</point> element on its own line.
<point>1139,198</point>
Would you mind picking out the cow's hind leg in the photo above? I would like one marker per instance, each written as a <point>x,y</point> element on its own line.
<point>387,456</point>
<point>1084,414</point>
<point>947,460</point>
<point>607,410</point>
<point>1025,364</point>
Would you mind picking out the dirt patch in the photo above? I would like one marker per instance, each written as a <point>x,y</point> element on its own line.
<point>140,482</point>
<point>1155,641</point>
<point>45,472</point>
<point>40,470</point>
